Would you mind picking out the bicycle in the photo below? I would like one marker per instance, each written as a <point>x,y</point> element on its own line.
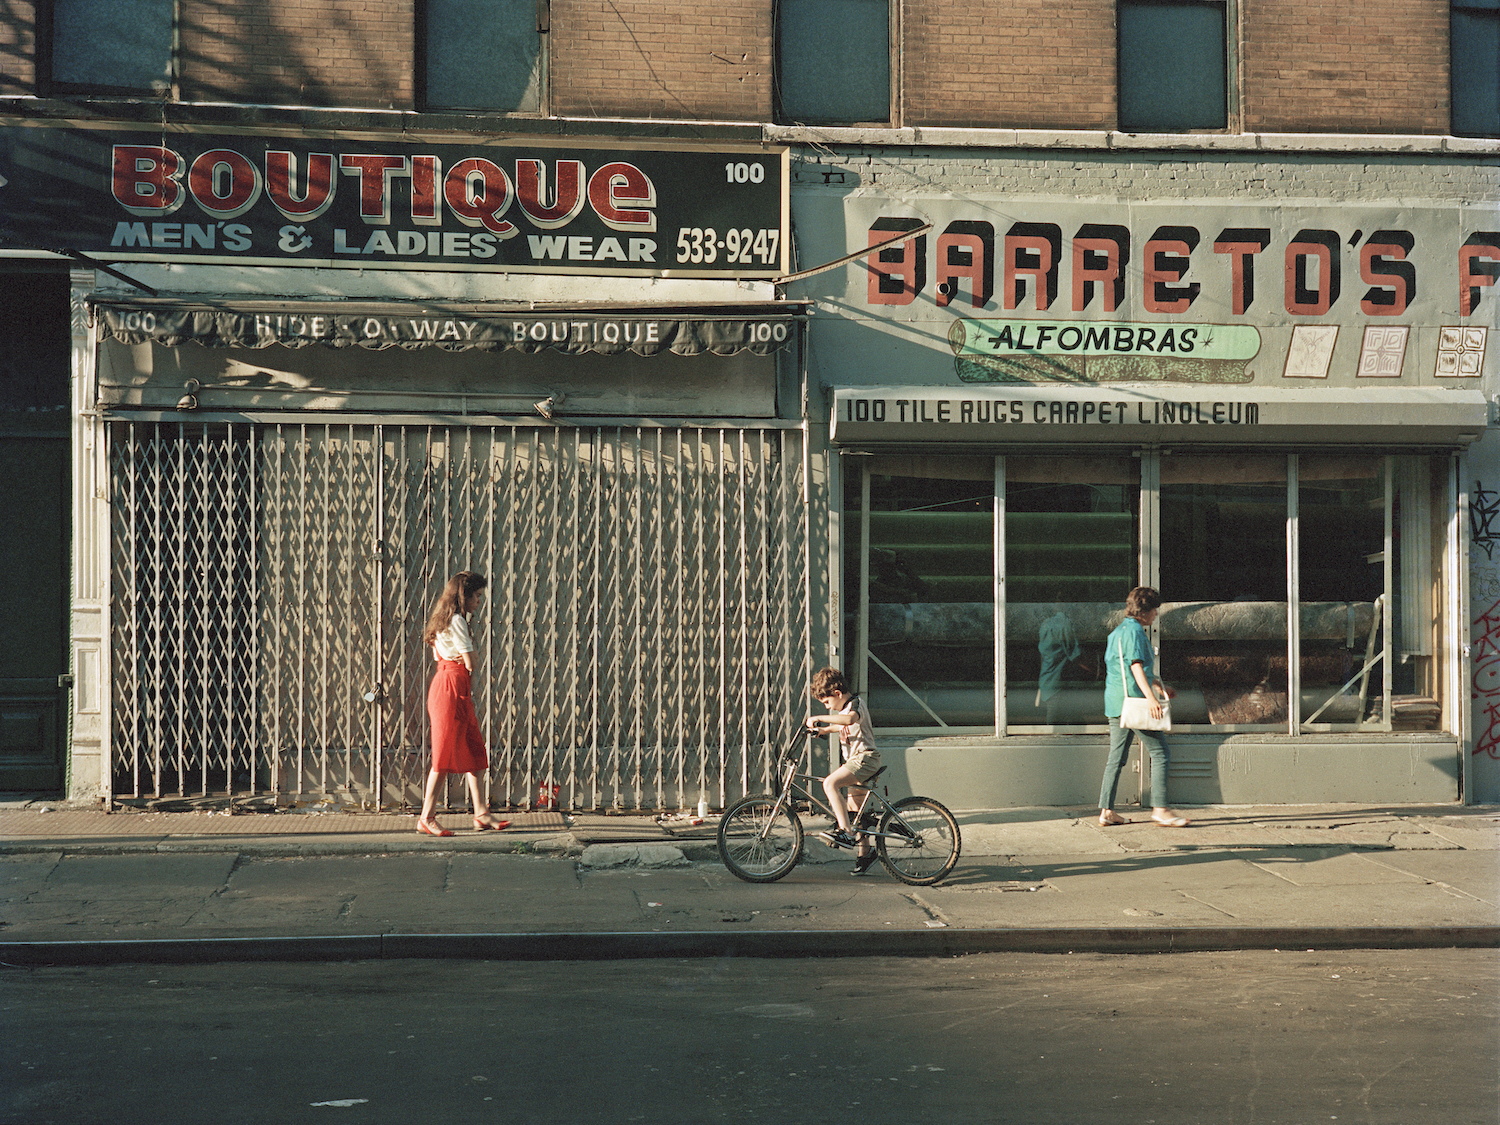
<point>760,838</point>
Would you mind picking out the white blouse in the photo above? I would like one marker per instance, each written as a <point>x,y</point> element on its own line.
<point>454,641</point>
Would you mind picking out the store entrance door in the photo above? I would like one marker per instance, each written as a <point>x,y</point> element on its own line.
<point>34,468</point>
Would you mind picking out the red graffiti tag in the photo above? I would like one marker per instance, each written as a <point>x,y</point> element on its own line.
<point>1486,682</point>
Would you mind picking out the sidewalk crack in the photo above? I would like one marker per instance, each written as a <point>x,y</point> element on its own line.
<point>928,908</point>
<point>1272,871</point>
<point>1211,906</point>
<point>1456,892</point>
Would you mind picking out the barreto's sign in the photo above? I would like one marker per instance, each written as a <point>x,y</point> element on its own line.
<point>1430,416</point>
<point>1032,289</point>
<point>395,204</point>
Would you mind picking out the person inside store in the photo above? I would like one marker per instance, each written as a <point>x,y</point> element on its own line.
<point>457,746</point>
<point>1129,646</point>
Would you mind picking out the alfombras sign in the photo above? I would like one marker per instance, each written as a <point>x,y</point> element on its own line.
<point>371,203</point>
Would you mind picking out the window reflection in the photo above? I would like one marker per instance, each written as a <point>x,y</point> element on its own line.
<point>931,601</point>
<point>1223,578</point>
<point>1342,577</point>
<point>1070,551</point>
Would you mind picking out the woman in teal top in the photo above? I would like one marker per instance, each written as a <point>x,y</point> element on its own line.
<point>1130,647</point>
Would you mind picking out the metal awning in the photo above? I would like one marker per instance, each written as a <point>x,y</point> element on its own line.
<point>760,328</point>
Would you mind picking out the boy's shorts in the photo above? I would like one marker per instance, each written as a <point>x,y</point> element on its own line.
<point>863,764</point>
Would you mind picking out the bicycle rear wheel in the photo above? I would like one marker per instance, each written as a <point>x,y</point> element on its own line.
<point>758,842</point>
<point>919,841</point>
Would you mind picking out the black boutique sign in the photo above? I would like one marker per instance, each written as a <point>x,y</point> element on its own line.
<point>355,202</point>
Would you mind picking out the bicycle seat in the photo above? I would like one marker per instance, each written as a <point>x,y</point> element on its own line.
<point>869,781</point>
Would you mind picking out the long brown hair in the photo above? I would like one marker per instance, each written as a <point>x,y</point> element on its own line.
<point>456,594</point>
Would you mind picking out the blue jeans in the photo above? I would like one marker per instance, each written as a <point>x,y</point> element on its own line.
<point>1119,748</point>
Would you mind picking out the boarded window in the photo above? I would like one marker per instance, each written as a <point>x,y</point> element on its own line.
<point>1173,66</point>
<point>483,54</point>
<point>1476,68</point>
<point>834,61</point>
<point>112,44</point>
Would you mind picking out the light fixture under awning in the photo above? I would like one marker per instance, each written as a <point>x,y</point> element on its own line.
<point>721,330</point>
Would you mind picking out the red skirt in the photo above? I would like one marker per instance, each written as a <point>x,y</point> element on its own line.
<point>456,745</point>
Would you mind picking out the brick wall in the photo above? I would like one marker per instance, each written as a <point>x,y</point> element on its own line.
<point>17,47</point>
<point>299,52</point>
<point>1246,177</point>
<point>1379,66</point>
<point>681,59</point>
<point>1306,65</point>
<point>1025,64</point>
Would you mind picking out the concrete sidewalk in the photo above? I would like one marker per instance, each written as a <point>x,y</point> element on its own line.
<point>93,887</point>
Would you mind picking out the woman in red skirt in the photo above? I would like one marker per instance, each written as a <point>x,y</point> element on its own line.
<point>456,744</point>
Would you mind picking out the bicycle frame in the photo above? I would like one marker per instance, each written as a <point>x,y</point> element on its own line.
<point>789,790</point>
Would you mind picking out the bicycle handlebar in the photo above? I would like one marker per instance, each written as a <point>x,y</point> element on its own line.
<point>793,753</point>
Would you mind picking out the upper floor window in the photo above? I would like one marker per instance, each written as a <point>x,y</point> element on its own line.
<point>833,61</point>
<point>1476,67</point>
<point>484,54</point>
<point>113,45</point>
<point>1173,65</point>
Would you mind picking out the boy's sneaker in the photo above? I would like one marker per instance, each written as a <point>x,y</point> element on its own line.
<point>836,838</point>
<point>867,820</point>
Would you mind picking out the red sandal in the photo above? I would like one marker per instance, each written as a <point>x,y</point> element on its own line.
<point>483,823</point>
<point>431,828</point>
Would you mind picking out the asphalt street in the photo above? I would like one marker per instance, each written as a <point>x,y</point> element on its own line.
<point>1292,1037</point>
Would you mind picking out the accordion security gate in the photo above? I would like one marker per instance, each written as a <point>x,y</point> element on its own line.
<point>643,645</point>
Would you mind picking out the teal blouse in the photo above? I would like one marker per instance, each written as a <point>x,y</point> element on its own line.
<point>1129,640</point>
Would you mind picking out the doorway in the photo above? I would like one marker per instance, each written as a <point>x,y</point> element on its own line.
<point>34,528</point>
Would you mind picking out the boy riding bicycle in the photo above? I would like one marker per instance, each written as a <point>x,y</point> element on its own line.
<point>861,761</point>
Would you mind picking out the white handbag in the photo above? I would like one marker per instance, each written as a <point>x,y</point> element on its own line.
<point>1135,712</point>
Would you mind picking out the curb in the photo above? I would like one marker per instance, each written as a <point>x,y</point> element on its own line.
<point>330,845</point>
<point>559,845</point>
<point>784,943</point>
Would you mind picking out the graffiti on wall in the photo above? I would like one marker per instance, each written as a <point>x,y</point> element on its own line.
<point>1484,512</point>
<point>1484,589</point>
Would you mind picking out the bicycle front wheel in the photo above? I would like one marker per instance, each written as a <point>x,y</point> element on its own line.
<point>919,841</point>
<point>758,842</point>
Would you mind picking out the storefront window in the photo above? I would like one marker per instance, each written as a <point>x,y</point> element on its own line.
<point>1419,531</point>
<point>928,632</point>
<point>1211,532</point>
<point>1343,569</point>
<point>1223,633</point>
<point>1070,558</point>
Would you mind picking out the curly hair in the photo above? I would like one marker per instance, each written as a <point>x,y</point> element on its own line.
<point>828,681</point>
